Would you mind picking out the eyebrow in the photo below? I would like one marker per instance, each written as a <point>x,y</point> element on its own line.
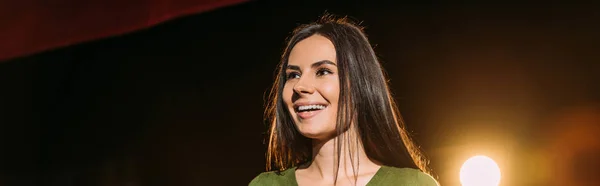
<point>314,65</point>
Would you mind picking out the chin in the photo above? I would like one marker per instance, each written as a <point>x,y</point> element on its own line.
<point>318,134</point>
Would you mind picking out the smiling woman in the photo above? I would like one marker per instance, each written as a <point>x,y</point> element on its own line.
<point>333,119</point>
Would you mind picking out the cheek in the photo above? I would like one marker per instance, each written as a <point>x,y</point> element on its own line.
<point>287,94</point>
<point>331,92</point>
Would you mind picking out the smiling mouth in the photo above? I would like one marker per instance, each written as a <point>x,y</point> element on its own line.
<point>308,111</point>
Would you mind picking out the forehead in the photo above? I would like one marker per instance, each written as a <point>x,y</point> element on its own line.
<point>312,49</point>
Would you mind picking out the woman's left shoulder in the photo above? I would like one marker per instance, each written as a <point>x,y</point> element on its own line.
<point>285,177</point>
<point>407,177</point>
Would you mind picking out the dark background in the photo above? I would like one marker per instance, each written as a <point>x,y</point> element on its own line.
<point>182,103</point>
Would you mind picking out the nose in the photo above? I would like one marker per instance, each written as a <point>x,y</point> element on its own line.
<point>304,87</point>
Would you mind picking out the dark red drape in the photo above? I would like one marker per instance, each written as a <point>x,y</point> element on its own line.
<point>29,26</point>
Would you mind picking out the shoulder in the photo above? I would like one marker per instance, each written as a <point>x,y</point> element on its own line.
<point>406,176</point>
<point>285,177</point>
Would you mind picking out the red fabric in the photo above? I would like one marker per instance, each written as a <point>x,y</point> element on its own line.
<point>29,26</point>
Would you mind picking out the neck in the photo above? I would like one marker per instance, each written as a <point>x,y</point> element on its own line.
<point>353,160</point>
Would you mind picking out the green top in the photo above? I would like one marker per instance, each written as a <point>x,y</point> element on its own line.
<point>384,176</point>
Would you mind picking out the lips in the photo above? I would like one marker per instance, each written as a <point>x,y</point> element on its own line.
<point>308,114</point>
<point>309,110</point>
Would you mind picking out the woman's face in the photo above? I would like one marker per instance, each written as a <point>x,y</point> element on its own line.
<point>312,88</point>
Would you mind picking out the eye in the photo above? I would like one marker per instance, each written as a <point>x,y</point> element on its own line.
<point>323,71</point>
<point>292,75</point>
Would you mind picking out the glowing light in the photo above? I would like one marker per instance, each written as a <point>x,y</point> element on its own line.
<point>480,171</point>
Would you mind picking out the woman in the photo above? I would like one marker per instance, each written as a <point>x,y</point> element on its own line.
<point>334,121</point>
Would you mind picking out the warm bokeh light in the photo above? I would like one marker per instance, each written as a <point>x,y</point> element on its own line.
<point>480,171</point>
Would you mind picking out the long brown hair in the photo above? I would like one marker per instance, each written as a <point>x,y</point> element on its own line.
<point>363,89</point>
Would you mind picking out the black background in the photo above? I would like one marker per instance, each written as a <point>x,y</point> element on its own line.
<point>182,103</point>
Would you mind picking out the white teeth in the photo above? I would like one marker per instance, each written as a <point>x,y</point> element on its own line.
<point>310,107</point>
